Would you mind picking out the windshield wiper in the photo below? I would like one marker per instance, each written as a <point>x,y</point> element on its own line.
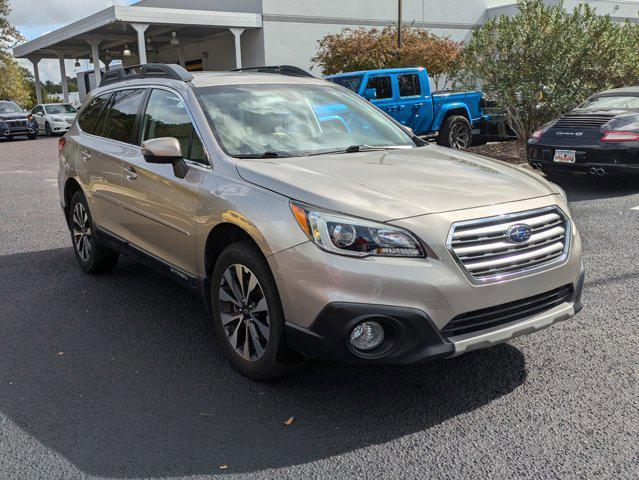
<point>357,148</point>
<point>267,154</point>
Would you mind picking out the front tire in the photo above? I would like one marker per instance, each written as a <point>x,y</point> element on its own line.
<point>247,313</point>
<point>92,257</point>
<point>47,130</point>
<point>32,136</point>
<point>456,133</point>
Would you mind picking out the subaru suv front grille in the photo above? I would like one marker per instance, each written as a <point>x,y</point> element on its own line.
<point>582,122</point>
<point>509,312</point>
<point>491,249</point>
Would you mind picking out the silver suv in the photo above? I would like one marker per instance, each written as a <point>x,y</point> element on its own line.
<point>313,224</point>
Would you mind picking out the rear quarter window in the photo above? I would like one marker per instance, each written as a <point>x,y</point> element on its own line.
<point>383,86</point>
<point>89,116</point>
<point>409,85</point>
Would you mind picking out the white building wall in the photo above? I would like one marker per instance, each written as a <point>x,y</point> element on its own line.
<point>292,29</point>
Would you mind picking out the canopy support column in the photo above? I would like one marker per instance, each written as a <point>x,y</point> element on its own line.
<point>140,28</point>
<point>95,53</point>
<point>36,73</point>
<point>63,78</point>
<point>237,33</point>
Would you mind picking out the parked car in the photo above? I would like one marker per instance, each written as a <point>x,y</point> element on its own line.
<point>363,244</point>
<point>54,118</point>
<point>14,121</point>
<point>455,118</point>
<point>600,136</point>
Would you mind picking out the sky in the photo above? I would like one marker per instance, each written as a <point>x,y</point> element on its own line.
<point>37,17</point>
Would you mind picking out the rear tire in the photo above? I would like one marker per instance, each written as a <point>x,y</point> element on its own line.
<point>456,133</point>
<point>247,314</point>
<point>92,257</point>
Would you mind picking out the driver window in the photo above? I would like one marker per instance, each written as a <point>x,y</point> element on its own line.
<point>166,116</point>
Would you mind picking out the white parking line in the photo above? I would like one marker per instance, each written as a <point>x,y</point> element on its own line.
<point>634,208</point>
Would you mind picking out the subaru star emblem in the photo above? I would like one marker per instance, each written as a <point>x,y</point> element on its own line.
<point>519,233</point>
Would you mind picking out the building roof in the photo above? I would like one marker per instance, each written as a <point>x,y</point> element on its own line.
<point>113,27</point>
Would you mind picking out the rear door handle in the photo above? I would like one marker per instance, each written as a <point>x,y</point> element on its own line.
<point>85,155</point>
<point>131,174</point>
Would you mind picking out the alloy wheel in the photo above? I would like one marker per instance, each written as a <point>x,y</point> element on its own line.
<point>244,312</point>
<point>459,136</point>
<point>82,232</point>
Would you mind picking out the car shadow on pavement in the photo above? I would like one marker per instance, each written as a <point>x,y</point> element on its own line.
<point>581,187</point>
<point>120,374</point>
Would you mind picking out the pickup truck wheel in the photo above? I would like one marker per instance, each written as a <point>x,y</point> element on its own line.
<point>455,133</point>
<point>247,313</point>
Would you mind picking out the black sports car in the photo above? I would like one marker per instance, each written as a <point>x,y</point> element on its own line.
<point>15,121</point>
<point>599,137</point>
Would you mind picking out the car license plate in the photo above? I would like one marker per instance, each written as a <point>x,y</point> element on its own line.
<point>565,156</point>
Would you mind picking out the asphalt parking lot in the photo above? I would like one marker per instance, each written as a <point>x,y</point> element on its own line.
<point>118,376</point>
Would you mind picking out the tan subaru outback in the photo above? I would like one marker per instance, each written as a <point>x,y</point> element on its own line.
<point>313,224</point>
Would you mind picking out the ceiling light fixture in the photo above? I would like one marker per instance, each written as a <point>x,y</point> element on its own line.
<point>77,63</point>
<point>126,52</point>
<point>174,40</point>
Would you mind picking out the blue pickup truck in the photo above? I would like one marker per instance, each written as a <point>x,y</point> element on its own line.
<point>456,119</point>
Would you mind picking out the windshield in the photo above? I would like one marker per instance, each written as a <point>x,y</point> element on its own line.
<point>352,83</point>
<point>58,109</point>
<point>9,107</point>
<point>611,103</point>
<point>294,120</point>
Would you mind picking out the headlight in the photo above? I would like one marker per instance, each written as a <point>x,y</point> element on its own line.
<point>355,237</point>
<point>57,119</point>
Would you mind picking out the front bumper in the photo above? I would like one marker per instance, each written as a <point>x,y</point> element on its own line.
<point>58,127</point>
<point>612,158</point>
<point>411,336</point>
<point>325,295</point>
<point>10,131</point>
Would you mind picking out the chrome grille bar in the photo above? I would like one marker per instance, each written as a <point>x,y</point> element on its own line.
<point>485,253</point>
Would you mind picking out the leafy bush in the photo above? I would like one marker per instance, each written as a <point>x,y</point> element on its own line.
<point>13,83</point>
<point>368,49</point>
<point>546,60</point>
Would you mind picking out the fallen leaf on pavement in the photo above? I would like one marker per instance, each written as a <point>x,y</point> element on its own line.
<point>224,467</point>
<point>289,421</point>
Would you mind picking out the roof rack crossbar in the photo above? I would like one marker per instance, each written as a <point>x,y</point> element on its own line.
<point>288,70</point>
<point>148,70</point>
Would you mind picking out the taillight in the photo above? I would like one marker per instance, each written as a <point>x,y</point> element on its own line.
<point>538,133</point>
<point>620,136</point>
<point>61,143</point>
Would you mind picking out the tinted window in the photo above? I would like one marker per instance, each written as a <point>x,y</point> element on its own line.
<point>123,110</point>
<point>90,114</point>
<point>166,116</point>
<point>352,83</point>
<point>382,85</point>
<point>409,85</point>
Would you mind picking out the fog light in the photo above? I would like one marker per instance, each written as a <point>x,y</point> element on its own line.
<point>367,335</point>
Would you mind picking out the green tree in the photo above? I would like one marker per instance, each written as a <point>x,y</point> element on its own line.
<point>546,60</point>
<point>367,49</point>
<point>14,84</point>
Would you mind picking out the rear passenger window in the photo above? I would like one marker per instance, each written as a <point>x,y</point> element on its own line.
<point>90,114</point>
<point>382,85</point>
<point>166,116</point>
<point>120,120</point>
<point>409,85</point>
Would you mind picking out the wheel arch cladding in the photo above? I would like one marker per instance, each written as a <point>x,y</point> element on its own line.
<point>449,111</point>
<point>70,188</point>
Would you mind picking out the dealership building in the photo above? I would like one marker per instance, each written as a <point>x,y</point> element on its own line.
<point>226,34</point>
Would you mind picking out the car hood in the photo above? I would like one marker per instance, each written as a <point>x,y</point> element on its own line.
<point>389,185</point>
<point>13,116</point>
<point>65,116</point>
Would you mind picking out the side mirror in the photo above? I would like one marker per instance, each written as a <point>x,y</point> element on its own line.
<point>165,151</point>
<point>370,94</point>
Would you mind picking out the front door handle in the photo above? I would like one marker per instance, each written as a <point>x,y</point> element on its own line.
<point>131,174</point>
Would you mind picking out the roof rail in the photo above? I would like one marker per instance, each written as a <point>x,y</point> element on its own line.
<point>288,70</point>
<point>148,70</point>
